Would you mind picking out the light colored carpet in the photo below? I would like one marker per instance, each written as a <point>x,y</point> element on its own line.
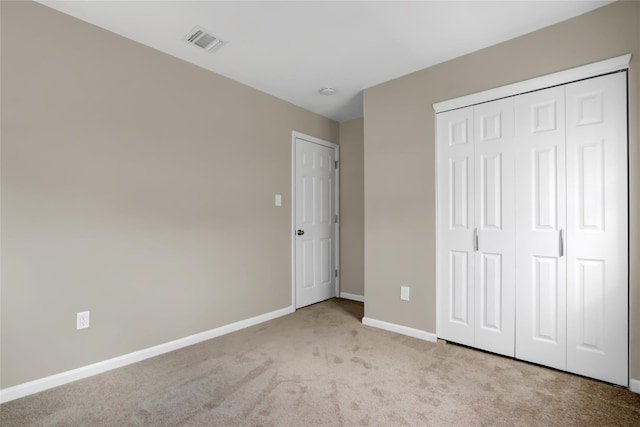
<point>321,366</point>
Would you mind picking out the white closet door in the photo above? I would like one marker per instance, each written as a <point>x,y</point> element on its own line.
<point>494,220</point>
<point>597,229</point>
<point>455,226</point>
<point>540,221</point>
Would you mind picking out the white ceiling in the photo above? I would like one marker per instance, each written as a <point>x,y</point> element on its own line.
<point>292,49</point>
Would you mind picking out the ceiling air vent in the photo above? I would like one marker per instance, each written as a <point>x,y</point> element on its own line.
<point>205,40</point>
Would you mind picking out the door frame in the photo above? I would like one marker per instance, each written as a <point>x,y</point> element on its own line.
<point>294,136</point>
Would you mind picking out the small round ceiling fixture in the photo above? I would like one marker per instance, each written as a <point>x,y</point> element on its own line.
<point>327,91</point>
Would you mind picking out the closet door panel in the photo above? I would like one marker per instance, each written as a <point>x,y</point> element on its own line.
<point>540,224</point>
<point>494,220</point>
<point>455,226</point>
<point>597,228</point>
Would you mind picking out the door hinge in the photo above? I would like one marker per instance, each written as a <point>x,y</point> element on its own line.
<point>336,163</point>
<point>336,272</point>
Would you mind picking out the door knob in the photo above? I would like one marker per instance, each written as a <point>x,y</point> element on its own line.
<point>300,232</point>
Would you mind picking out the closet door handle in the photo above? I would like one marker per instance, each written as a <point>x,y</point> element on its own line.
<point>561,243</point>
<point>475,239</point>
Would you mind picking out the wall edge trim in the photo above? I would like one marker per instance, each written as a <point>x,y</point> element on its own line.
<point>634,385</point>
<point>46,383</point>
<point>353,297</point>
<point>404,330</point>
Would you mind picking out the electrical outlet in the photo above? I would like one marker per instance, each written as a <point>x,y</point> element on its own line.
<point>404,293</point>
<point>83,319</point>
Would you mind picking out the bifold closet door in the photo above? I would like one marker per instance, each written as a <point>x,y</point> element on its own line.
<point>540,227</point>
<point>476,292</point>
<point>597,228</point>
<point>455,262</point>
<point>495,228</point>
<point>533,227</point>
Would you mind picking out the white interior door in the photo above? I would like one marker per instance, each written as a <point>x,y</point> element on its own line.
<point>494,220</point>
<point>597,228</point>
<point>315,225</point>
<point>540,225</point>
<point>455,272</point>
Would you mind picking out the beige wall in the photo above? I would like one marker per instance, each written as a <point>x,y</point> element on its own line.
<point>136,186</point>
<point>400,214</point>
<point>352,207</point>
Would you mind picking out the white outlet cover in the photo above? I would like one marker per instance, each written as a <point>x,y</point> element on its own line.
<point>83,320</point>
<point>278,200</point>
<point>404,293</point>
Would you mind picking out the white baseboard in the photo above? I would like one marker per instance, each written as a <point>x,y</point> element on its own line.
<point>353,297</point>
<point>32,387</point>
<point>634,385</point>
<point>404,330</point>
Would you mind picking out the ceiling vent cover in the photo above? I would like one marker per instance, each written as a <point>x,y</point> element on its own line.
<point>204,40</point>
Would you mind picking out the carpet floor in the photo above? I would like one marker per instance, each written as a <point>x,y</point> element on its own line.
<point>321,366</point>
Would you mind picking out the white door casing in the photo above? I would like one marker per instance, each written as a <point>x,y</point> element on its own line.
<point>315,213</point>
<point>597,226</point>
<point>540,219</point>
<point>495,223</point>
<point>455,263</point>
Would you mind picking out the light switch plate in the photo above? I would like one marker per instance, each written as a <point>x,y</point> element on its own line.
<point>83,320</point>
<point>278,199</point>
<point>404,293</point>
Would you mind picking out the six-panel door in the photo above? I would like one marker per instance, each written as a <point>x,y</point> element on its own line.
<point>315,223</point>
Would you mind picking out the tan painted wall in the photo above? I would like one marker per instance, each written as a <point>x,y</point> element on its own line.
<point>136,186</point>
<point>400,213</point>
<point>352,207</point>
